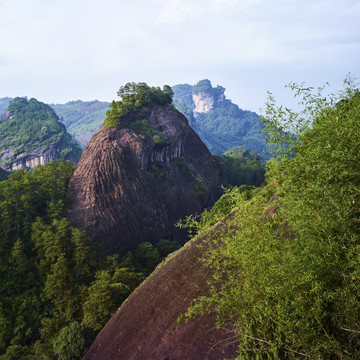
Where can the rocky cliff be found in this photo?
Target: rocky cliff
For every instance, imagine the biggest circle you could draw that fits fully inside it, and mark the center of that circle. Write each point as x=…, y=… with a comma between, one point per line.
x=205, y=97
x=10, y=159
x=220, y=124
x=31, y=135
x=135, y=181
x=145, y=326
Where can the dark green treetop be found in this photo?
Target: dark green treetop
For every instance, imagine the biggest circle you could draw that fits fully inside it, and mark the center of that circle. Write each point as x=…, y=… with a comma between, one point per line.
x=135, y=96
x=286, y=276
x=242, y=166
x=205, y=86
x=31, y=124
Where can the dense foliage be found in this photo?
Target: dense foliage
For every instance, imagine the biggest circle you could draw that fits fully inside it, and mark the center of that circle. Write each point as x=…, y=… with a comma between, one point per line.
x=33, y=125
x=56, y=292
x=136, y=96
x=242, y=167
x=286, y=278
x=204, y=86
x=82, y=118
x=223, y=127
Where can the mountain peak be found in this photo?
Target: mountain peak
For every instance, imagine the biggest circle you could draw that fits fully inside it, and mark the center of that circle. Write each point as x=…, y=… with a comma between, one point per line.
x=205, y=97
x=31, y=134
x=136, y=180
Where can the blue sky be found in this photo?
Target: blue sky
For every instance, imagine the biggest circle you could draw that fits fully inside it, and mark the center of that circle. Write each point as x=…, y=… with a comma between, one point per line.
x=61, y=50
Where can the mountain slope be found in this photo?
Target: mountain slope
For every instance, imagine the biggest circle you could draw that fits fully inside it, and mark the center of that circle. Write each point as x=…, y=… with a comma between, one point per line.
x=136, y=180
x=82, y=118
x=220, y=123
x=31, y=134
x=282, y=264
x=145, y=326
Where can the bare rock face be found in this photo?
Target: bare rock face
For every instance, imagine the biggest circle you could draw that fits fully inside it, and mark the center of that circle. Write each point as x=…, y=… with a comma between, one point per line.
x=30, y=159
x=134, y=182
x=145, y=326
x=204, y=102
x=31, y=135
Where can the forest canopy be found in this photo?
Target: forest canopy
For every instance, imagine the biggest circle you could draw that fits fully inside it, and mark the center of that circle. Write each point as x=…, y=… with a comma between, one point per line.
x=57, y=291
x=30, y=125
x=135, y=96
x=242, y=167
x=286, y=279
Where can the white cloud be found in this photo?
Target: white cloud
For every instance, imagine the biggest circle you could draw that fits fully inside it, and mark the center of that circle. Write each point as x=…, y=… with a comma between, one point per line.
x=176, y=11
x=170, y=41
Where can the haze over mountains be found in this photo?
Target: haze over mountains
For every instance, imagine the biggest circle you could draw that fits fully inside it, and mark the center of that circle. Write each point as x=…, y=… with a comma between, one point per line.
x=220, y=124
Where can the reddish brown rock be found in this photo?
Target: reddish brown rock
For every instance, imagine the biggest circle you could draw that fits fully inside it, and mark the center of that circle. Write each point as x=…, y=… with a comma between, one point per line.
x=135, y=181
x=145, y=326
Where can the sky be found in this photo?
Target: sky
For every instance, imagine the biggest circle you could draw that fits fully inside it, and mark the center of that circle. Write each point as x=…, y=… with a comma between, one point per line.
x=62, y=50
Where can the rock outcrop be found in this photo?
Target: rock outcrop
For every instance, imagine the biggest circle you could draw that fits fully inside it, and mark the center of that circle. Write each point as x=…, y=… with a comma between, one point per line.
x=205, y=97
x=40, y=156
x=220, y=124
x=135, y=181
x=145, y=326
x=31, y=135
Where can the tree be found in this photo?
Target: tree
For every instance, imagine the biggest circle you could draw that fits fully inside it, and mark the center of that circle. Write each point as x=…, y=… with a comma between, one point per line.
x=72, y=342
x=286, y=268
x=135, y=96
x=104, y=297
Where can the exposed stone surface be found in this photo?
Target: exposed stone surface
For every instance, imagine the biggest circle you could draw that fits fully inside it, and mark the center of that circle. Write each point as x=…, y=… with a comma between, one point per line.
x=36, y=157
x=145, y=326
x=205, y=102
x=128, y=188
x=32, y=135
x=7, y=115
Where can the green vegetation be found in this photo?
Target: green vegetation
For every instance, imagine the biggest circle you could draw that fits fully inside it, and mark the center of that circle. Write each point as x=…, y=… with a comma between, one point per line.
x=286, y=263
x=160, y=172
x=82, y=118
x=204, y=86
x=200, y=188
x=55, y=292
x=242, y=167
x=33, y=125
x=223, y=127
x=183, y=164
x=134, y=97
x=144, y=127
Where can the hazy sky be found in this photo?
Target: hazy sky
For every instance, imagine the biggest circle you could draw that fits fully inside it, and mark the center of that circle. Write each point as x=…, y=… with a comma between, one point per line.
x=61, y=50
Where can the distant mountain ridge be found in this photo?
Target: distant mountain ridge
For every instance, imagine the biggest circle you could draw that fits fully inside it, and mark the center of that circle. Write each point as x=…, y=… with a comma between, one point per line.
x=219, y=123
x=82, y=118
x=138, y=176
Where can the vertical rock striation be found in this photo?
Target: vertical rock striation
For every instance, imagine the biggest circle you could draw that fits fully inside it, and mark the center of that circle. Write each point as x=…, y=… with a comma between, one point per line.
x=135, y=181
